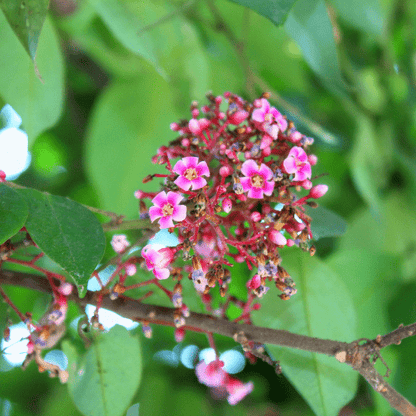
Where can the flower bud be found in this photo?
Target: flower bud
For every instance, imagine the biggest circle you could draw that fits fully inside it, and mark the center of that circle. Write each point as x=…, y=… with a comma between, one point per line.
x=318, y=191
x=194, y=126
x=255, y=216
x=2, y=176
x=227, y=205
x=225, y=171
x=179, y=334
x=238, y=117
x=313, y=160
x=277, y=237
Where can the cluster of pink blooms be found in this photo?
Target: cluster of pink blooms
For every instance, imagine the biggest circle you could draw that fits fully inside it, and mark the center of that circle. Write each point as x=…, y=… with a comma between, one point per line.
x=213, y=375
x=232, y=194
x=238, y=179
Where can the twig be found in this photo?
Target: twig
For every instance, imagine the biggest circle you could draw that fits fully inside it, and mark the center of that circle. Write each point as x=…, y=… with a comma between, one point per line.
x=357, y=356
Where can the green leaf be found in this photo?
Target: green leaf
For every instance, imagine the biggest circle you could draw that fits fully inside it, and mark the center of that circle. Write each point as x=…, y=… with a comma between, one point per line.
x=39, y=103
x=104, y=381
x=121, y=140
x=26, y=18
x=274, y=10
x=367, y=167
x=363, y=15
x=125, y=19
x=326, y=223
x=322, y=308
x=309, y=26
x=13, y=213
x=67, y=232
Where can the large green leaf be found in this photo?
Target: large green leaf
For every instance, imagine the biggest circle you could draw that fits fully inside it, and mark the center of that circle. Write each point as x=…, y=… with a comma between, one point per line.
x=103, y=381
x=364, y=15
x=67, y=232
x=26, y=18
x=130, y=121
x=309, y=26
x=322, y=308
x=13, y=213
x=39, y=103
x=326, y=223
x=274, y=10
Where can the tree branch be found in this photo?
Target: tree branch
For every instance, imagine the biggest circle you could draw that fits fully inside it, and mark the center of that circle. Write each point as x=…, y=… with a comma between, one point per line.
x=357, y=356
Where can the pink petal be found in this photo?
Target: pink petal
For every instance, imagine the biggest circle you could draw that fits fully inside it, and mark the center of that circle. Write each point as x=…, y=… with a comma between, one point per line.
x=275, y=113
x=155, y=212
x=249, y=168
x=198, y=183
x=183, y=183
x=258, y=115
x=255, y=193
x=246, y=184
x=166, y=222
x=174, y=198
x=265, y=172
x=272, y=130
x=290, y=165
x=160, y=199
x=179, y=213
x=265, y=105
x=161, y=274
x=268, y=187
x=282, y=122
x=179, y=167
x=202, y=169
x=190, y=162
x=298, y=153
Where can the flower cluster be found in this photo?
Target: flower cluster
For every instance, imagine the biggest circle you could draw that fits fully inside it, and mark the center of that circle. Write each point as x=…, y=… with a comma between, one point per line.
x=233, y=194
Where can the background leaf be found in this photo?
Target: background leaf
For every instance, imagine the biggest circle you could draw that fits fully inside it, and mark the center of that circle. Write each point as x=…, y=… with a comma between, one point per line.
x=326, y=223
x=67, y=232
x=274, y=10
x=309, y=26
x=38, y=103
x=13, y=213
x=103, y=381
x=26, y=19
x=121, y=142
x=323, y=382
x=364, y=15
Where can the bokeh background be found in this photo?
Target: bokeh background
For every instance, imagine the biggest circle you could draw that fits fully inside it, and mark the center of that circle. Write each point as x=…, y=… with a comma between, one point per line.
x=116, y=73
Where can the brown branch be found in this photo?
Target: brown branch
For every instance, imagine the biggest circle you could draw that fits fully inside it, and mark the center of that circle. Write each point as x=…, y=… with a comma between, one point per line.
x=357, y=356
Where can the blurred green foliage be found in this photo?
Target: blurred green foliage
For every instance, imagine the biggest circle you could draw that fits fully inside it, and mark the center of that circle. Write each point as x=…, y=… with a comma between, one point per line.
x=115, y=73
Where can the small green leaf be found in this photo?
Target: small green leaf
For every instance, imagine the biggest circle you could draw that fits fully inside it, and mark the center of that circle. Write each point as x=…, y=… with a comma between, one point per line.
x=309, y=26
x=274, y=10
x=13, y=213
x=38, y=103
x=104, y=381
x=67, y=232
x=326, y=223
x=322, y=308
x=26, y=18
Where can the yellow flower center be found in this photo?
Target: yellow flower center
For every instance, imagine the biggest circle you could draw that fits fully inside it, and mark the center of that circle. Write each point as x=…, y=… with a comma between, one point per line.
x=167, y=210
x=257, y=181
x=190, y=174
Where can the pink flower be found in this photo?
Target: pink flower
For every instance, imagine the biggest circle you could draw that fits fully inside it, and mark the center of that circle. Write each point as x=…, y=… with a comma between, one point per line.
x=266, y=116
x=167, y=207
x=237, y=390
x=190, y=172
x=297, y=163
x=119, y=243
x=258, y=180
x=212, y=374
x=156, y=261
